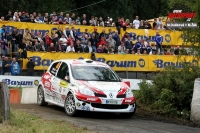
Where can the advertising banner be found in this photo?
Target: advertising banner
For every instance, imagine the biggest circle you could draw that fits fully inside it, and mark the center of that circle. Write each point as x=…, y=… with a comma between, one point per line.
x=21, y=81
x=119, y=62
x=169, y=37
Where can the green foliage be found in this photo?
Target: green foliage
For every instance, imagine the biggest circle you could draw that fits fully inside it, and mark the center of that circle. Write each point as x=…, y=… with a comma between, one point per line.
x=171, y=90
x=108, y=8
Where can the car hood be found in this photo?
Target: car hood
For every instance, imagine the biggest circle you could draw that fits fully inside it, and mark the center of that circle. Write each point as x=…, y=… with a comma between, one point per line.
x=116, y=88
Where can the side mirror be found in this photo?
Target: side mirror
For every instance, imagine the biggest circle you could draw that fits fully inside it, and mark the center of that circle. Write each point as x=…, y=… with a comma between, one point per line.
x=128, y=83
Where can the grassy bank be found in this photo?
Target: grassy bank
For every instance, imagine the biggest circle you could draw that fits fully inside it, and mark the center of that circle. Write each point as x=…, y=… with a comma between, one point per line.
x=22, y=122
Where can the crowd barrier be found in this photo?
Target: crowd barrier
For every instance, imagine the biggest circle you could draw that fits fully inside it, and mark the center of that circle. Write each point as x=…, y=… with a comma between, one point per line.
x=23, y=89
x=119, y=62
x=169, y=37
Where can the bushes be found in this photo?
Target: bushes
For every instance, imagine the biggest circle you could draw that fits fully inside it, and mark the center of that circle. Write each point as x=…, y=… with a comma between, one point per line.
x=170, y=92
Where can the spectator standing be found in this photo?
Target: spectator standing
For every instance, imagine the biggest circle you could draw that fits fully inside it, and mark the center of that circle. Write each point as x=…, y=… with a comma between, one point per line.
x=66, y=32
x=51, y=48
x=30, y=67
x=136, y=22
x=88, y=48
x=15, y=68
x=59, y=32
x=93, y=41
x=47, y=39
x=158, y=40
x=6, y=66
x=9, y=15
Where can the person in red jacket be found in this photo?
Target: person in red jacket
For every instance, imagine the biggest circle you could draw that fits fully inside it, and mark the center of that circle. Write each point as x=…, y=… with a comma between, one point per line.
x=102, y=41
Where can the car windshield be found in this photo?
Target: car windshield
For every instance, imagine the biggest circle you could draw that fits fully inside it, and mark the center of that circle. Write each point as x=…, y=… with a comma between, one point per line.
x=94, y=73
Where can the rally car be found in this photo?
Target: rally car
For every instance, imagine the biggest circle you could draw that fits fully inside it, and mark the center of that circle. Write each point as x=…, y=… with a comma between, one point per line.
x=85, y=85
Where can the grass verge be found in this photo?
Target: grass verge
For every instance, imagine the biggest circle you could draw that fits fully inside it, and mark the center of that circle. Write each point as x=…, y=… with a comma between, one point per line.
x=22, y=122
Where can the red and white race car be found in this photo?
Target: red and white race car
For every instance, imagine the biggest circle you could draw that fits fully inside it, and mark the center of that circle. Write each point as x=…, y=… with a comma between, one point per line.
x=85, y=85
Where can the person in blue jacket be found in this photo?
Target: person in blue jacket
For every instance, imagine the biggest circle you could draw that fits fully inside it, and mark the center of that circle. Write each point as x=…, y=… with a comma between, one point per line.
x=15, y=68
x=158, y=40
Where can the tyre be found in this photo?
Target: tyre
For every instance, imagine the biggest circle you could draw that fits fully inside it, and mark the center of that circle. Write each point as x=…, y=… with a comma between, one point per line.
x=70, y=106
x=128, y=115
x=40, y=97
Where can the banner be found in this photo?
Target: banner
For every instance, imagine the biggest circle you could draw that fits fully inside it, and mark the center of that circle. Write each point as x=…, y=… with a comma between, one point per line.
x=169, y=37
x=119, y=62
x=21, y=81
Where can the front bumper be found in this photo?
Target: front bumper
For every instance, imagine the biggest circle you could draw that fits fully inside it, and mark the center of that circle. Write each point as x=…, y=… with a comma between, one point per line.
x=102, y=106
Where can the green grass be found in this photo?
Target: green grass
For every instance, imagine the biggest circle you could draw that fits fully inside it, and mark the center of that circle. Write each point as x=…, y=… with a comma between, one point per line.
x=22, y=122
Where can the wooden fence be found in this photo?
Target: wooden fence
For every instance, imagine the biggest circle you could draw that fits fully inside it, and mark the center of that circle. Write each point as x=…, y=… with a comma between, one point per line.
x=4, y=102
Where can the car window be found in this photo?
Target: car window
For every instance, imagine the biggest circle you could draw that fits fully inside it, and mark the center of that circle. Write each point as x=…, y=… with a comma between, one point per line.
x=63, y=71
x=54, y=68
x=94, y=73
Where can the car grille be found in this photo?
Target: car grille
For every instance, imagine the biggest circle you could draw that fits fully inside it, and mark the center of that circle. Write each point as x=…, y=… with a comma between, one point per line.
x=121, y=96
x=100, y=95
x=108, y=106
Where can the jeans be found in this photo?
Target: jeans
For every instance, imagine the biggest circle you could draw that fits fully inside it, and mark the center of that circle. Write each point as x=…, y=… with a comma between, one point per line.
x=158, y=49
x=94, y=49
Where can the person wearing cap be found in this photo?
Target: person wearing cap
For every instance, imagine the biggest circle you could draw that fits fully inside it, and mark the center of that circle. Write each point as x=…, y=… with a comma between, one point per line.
x=96, y=33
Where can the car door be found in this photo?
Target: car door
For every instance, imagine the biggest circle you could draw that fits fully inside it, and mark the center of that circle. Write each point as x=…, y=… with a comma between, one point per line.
x=61, y=84
x=53, y=71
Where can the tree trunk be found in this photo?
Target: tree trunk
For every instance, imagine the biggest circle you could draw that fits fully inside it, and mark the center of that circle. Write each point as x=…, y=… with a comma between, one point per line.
x=4, y=102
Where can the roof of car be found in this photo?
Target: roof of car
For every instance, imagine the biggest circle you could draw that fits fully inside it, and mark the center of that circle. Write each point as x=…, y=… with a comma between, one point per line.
x=83, y=62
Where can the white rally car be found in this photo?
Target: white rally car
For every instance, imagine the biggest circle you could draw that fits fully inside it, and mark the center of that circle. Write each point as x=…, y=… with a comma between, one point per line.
x=85, y=85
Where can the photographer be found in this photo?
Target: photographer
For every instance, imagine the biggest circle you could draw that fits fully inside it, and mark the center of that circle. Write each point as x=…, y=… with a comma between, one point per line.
x=30, y=67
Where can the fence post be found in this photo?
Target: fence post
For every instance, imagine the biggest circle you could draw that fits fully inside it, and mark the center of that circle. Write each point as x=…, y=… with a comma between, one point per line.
x=4, y=102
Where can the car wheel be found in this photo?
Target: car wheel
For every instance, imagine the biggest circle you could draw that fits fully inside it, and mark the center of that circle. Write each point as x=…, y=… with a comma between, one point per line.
x=40, y=97
x=128, y=115
x=70, y=107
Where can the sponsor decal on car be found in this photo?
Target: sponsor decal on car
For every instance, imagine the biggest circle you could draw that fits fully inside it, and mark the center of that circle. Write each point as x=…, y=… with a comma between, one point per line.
x=63, y=84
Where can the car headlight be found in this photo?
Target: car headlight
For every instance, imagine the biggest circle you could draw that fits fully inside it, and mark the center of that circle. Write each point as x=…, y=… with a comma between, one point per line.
x=129, y=93
x=86, y=91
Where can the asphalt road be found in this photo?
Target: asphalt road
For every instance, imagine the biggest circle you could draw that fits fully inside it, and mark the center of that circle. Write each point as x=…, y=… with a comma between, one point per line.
x=107, y=122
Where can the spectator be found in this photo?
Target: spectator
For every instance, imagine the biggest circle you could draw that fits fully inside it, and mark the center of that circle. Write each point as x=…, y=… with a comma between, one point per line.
x=136, y=22
x=129, y=44
x=63, y=42
x=158, y=40
x=92, y=22
x=15, y=68
x=37, y=20
x=93, y=41
x=147, y=25
x=110, y=41
x=68, y=19
x=30, y=67
x=78, y=48
x=159, y=23
x=66, y=32
x=59, y=32
x=93, y=57
x=102, y=41
x=30, y=47
x=141, y=26
x=96, y=34
x=51, y=48
x=84, y=19
x=73, y=33
x=6, y=66
x=42, y=46
x=9, y=15
x=70, y=48
x=37, y=46
x=88, y=48
x=47, y=40
x=100, y=49
x=27, y=36
x=103, y=33
x=121, y=48
x=73, y=16
x=69, y=40
x=2, y=18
